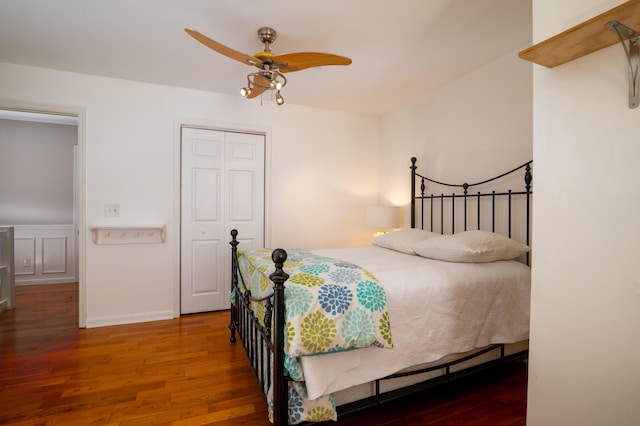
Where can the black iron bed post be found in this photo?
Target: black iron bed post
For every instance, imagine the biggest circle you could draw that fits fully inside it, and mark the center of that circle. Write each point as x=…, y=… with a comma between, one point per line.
x=527, y=181
x=413, y=191
x=442, y=213
x=422, y=188
x=493, y=211
x=431, y=213
x=280, y=382
x=509, y=203
x=465, y=186
x=234, y=283
x=453, y=213
x=478, y=227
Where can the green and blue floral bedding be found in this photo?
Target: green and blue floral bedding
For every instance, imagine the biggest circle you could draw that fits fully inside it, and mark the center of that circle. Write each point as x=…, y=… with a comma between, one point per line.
x=331, y=306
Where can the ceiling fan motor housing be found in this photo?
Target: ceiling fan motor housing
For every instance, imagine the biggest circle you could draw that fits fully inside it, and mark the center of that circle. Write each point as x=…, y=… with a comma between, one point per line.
x=267, y=36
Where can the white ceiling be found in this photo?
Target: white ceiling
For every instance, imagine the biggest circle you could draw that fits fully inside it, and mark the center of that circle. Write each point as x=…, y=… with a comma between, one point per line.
x=400, y=49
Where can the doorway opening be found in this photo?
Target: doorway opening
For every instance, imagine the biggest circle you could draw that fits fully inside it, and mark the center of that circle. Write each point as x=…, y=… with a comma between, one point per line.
x=43, y=196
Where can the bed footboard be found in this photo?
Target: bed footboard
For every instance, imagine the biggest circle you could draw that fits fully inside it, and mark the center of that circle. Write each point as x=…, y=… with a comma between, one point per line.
x=262, y=338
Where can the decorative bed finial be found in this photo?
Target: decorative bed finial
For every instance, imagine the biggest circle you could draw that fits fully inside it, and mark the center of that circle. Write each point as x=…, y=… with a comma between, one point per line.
x=279, y=256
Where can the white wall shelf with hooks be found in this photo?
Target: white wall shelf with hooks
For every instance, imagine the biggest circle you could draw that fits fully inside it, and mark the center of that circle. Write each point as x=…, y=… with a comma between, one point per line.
x=128, y=234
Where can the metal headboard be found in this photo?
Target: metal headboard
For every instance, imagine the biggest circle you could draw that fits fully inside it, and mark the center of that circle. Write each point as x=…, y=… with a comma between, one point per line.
x=434, y=206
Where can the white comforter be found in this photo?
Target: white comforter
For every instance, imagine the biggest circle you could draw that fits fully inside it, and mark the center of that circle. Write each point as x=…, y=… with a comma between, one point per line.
x=436, y=308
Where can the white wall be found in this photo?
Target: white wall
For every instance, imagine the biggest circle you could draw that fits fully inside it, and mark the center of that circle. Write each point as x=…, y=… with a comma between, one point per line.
x=322, y=175
x=585, y=343
x=465, y=131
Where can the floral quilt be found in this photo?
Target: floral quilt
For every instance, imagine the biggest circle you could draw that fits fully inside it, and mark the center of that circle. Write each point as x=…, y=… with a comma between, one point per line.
x=331, y=306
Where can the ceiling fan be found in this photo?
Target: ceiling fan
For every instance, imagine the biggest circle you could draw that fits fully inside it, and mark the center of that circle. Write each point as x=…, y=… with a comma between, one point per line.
x=271, y=67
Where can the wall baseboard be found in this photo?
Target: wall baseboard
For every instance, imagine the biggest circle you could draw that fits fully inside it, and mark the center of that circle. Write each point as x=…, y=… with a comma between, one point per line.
x=129, y=319
x=45, y=281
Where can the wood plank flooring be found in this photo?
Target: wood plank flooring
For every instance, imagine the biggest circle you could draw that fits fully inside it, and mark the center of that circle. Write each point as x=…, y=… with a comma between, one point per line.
x=183, y=372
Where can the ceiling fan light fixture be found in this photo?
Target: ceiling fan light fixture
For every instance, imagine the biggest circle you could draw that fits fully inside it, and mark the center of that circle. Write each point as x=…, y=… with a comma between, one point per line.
x=268, y=79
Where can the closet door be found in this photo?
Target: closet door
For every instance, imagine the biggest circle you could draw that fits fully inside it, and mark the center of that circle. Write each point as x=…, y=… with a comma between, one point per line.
x=222, y=187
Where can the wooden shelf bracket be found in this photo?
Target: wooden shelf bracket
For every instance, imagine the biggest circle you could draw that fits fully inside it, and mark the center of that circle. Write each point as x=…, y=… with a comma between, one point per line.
x=633, y=57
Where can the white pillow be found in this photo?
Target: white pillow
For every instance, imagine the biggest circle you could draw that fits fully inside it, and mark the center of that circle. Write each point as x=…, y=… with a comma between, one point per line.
x=402, y=240
x=470, y=246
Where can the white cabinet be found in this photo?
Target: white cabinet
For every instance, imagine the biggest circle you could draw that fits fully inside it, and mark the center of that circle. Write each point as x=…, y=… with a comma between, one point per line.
x=7, y=281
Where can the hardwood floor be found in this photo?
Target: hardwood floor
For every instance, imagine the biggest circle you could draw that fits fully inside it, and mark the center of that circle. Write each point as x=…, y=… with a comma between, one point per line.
x=183, y=372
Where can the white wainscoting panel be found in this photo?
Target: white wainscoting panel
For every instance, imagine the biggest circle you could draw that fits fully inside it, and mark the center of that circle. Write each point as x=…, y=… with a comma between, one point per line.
x=54, y=255
x=45, y=254
x=25, y=250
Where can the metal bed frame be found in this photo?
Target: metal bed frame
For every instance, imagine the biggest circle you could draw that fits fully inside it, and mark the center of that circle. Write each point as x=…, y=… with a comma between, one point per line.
x=263, y=339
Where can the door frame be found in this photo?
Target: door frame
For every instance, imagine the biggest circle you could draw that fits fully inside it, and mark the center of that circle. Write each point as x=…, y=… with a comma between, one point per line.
x=80, y=189
x=224, y=127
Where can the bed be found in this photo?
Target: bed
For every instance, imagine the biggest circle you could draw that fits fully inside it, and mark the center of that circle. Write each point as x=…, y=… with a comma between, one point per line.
x=443, y=298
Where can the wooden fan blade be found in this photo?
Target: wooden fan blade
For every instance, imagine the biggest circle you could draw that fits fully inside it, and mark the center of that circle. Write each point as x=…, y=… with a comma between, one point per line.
x=224, y=50
x=256, y=91
x=303, y=60
x=261, y=81
x=260, y=85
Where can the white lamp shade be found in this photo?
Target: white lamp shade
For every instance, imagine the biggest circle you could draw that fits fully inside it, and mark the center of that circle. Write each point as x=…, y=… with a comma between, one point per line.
x=383, y=217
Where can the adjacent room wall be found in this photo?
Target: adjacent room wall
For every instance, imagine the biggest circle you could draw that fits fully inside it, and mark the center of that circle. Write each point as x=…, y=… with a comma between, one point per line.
x=36, y=173
x=585, y=344
x=322, y=175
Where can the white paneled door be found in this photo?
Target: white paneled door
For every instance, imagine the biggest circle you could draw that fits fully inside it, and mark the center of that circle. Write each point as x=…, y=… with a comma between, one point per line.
x=222, y=187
